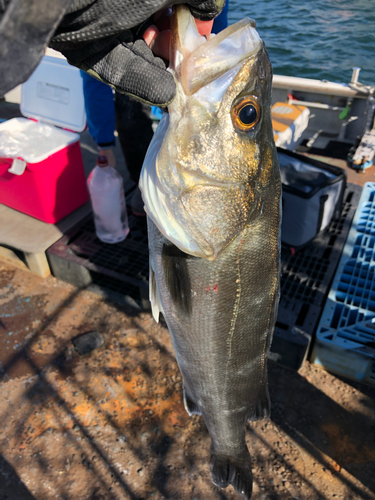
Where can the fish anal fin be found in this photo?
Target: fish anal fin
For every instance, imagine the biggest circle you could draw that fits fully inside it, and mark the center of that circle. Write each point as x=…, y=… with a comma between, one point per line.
x=154, y=296
x=190, y=406
x=263, y=405
x=227, y=470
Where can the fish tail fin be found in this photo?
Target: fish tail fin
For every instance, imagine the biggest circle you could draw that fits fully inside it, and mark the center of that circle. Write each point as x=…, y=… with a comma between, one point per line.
x=191, y=407
x=237, y=472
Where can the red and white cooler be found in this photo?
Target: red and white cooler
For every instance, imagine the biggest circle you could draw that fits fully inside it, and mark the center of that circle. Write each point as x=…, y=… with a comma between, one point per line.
x=41, y=168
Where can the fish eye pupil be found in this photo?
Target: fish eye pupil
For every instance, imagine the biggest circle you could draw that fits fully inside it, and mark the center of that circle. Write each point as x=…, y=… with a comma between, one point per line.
x=248, y=114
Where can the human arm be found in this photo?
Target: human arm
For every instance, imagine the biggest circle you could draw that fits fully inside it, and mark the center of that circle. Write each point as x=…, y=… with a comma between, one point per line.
x=103, y=37
x=100, y=114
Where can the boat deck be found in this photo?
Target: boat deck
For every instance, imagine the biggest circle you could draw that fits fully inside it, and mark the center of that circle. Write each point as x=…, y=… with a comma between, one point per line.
x=353, y=176
x=110, y=424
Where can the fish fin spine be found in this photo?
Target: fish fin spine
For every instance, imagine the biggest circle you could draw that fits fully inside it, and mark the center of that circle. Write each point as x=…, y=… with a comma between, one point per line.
x=191, y=407
x=154, y=296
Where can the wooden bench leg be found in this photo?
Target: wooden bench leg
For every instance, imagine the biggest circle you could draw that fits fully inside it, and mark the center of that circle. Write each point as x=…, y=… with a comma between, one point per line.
x=38, y=263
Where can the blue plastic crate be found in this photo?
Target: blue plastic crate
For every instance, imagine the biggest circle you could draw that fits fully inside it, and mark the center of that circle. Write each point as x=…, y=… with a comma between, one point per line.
x=306, y=277
x=345, y=337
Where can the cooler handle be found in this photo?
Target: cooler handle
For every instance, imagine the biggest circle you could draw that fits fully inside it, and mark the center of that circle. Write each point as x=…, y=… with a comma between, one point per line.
x=18, y=166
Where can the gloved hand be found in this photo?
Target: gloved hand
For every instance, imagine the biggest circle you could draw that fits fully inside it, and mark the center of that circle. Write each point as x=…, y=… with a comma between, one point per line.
x=103, y=37
x=100, y=36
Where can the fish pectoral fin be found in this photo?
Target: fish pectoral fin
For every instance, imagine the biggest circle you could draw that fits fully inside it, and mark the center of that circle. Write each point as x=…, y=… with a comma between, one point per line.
x=263, y=405
x=227, y=470
x=154, y=296
x=190, y=406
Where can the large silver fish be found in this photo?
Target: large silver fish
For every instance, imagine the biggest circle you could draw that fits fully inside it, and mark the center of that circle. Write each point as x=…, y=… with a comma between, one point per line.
x=211, y=187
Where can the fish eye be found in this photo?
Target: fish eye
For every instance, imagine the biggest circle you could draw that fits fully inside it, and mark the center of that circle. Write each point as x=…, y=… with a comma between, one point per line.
x=246, y=114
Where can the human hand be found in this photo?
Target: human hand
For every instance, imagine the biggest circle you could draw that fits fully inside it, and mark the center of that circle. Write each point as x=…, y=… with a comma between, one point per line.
x=109, y=154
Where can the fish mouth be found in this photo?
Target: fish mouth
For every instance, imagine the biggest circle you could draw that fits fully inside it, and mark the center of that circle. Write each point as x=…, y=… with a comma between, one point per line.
x=196, y=61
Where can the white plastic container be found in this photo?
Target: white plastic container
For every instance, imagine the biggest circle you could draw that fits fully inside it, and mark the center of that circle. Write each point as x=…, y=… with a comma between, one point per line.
x=54, y=94
x=108, y=202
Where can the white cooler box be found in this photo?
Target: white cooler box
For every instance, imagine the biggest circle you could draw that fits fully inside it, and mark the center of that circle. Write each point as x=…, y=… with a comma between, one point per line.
x=41, y=168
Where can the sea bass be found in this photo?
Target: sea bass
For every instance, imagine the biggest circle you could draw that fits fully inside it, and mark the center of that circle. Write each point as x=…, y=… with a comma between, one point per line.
x=211, y=187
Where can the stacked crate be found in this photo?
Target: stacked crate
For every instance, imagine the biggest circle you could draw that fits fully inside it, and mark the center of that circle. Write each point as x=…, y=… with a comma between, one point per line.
x=345, y=337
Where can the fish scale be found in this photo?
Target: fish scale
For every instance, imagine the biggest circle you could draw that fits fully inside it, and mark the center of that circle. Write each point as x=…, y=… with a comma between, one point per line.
x=214, y=240
x=221, y=341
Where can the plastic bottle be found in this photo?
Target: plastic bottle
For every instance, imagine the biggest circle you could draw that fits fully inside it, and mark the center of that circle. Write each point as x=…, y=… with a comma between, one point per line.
x=108, y=202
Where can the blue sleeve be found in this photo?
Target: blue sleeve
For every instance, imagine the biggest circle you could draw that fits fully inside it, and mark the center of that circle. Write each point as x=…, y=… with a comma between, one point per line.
x=100, y=110
x=221, y=21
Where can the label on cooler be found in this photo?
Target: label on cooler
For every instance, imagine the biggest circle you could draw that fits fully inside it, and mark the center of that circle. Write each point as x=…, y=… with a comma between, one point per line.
x=52, y=92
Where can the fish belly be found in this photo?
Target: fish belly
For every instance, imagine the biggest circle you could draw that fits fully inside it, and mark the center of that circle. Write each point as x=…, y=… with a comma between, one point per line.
x=221, y=315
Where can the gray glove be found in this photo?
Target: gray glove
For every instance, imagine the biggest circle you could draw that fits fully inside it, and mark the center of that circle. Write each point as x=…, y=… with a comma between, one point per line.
x=26, y=26
x=103, y=37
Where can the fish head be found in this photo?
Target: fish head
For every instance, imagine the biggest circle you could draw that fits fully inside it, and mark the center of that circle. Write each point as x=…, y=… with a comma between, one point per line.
x=213, y=155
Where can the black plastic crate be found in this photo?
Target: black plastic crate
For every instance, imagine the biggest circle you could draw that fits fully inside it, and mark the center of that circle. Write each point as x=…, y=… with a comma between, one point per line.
x=117, y=271
x=305, y=281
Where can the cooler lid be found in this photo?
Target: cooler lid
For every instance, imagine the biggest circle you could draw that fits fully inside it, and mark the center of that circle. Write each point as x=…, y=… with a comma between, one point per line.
x=54, y=94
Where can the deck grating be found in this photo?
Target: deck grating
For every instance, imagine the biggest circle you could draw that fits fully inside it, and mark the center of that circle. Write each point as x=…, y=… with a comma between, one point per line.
x=121, y=270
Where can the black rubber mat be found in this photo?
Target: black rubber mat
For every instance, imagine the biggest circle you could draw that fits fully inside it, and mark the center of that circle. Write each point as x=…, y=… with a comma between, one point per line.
x=118, y=271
